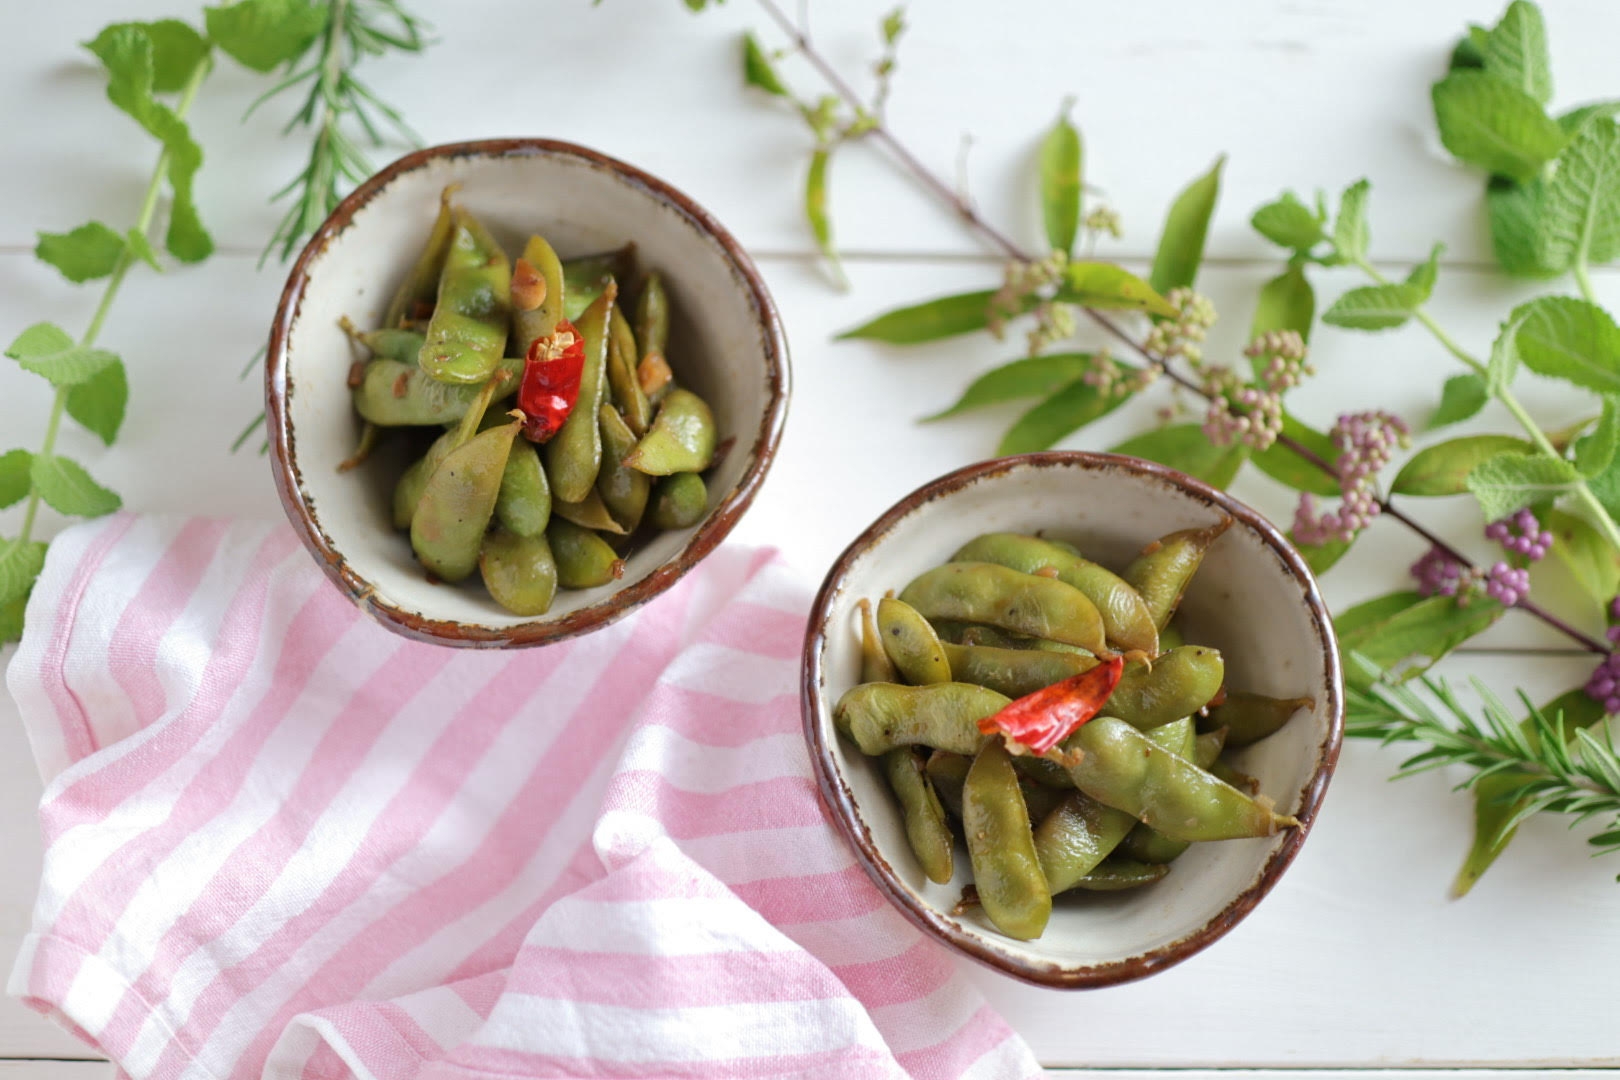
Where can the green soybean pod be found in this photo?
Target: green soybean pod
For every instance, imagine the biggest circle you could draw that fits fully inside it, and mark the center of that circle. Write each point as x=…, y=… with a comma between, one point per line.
x=1171, y=637
x=447, y=529
x=947, y=772
x=1207, y=747
x=589, y=513
x=678, y=501
x=1117, y=875
x=623, y=490
x=1074, y=838
x=682, y=437
x=1222, y=770
x=408, y=491
x=421, y=286
x=1014, y=672
x=530, y=325
x=1248, y=718
x=875, y=663
x=396, y=394
x=584, y=560
x=1006, y=869
x=467, y=334
x=518, y=571
x=386, y=344
x=586, y=277
x=1163, y=569
x=524, y=503
x=986, y=593
x=623, y=385
x=911, y=643
x=574, y=454
x=1039, y=800
x=652, y=316
x=879, y=717
x=924, y=817
x=1143, y=843
x=1177, y=684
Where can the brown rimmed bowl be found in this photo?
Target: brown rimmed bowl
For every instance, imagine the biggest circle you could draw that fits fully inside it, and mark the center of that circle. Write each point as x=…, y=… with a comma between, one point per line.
x=726, y=343
x=1254, y=599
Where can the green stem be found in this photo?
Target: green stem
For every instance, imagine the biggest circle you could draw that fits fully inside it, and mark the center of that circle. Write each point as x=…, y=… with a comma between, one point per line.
x=143, y=225
x=1434, y=328
x=1584, y=280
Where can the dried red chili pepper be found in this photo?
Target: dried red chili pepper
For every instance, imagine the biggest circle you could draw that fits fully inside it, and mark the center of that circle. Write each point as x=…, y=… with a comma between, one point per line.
x=550, y=386
x=1048, y=716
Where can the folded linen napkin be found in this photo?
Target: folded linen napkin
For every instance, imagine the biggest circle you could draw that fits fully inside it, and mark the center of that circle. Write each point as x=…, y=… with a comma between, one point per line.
x=284, y=842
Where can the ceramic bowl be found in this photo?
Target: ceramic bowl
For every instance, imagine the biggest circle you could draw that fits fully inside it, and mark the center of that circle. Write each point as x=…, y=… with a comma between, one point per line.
x=1253, y=598
x=726, y=343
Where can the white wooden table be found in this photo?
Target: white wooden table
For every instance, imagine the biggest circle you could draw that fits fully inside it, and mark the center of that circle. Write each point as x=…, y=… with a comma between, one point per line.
x=1358, y=961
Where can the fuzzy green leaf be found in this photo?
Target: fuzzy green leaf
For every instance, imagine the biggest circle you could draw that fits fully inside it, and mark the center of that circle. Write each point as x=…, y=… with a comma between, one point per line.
x=264, y=34
x=99, y=402
x=1594, y=452
x=1515, y=51
x=1288, y=223
x=40, y=341
x=1104, y=285
x=177, y=49
x=1186, y=447
x=1034, y=376
x=1580, y=207
x=931, y=320
x=1059, y=416
x=47, y=350
x=1514, y=211
x=141, y=248
x=89, y=252
x=20, y=564
x=14, y=481
x=1503, y=366
x=1286, y=302
x=1494, y=126
x=1461, y=397
x=68, y=489
x=1572, y=121
x=1284, y=465
x=1352, y=236
x=1060, y=182
x=1569, y=339
x=815, y=211
x=1424, y=274
x=1469, y=52
x=1443, y=469
x=1508, y=482
x=1416, y=635
x=758, y=71
x=1186, y=227
x=1374, y=307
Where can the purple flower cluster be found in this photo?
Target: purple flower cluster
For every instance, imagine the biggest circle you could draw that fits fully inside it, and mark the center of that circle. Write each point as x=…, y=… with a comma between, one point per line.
x=1438, y=574
x=1366, y=442
x=1251, y=413
x=1284, y=352
x=1507, y=584
x=1521, y=534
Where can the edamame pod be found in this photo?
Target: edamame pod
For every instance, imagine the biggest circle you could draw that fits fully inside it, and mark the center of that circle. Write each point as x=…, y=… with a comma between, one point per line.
x=524, y=504
x=678, y=501
x=589, y=513
x=585, y=278
x=987, y=593
x=1178, y=684
x=624, y=490
x=1122, y=768
x=652, y=316
x=1222, y=770
x=518, y=571
x=926, y=830
x=408, y=492
x=911, y=643
x=1074, y=838
x=875, y=663
x=583, y=559
x=1163, y=569
x=1146, y=844
x=1039, y=800
x=1248, y=718
x=574, y=454
x=1126, y=620
x=396, y=394
x=1014, y=672
x=625, y=388
x=421, y=286
x=1207, y=747
x=947, y=772
x=879, y=717
x=1006, y=869
x=448, y=527
x=540, y=321
x=401, y=345
x=682, y=437
x=1171, y=637
x=467, y=334
x=1116, y=875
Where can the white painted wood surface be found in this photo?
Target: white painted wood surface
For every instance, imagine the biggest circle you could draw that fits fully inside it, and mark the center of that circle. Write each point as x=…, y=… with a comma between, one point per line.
x=1358, y=960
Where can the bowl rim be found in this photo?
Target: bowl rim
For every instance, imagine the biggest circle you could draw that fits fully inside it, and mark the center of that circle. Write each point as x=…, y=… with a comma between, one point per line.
x=841, y=800
x=620, y=602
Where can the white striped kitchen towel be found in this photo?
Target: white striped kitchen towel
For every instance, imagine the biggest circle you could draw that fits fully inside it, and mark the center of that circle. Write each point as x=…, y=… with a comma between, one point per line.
x=283, y=842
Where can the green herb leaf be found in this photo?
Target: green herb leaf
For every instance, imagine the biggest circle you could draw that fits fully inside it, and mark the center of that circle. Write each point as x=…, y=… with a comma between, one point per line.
x=1286, y=302
x=1104, y=285
x=1289, y=223
x=1515, y=51
x=1282, y=464
x=1035, y=376
x=141, y=248
x=1585, y=553
x=1503, y=366
x=126, y=51
x=1186, y=447
x=1580, y=208
x=68, y=489
x=1595, y=451
x=11, y=620
x=46, y=350
x=1060, y=181
x=14, y=481
x=1374, y=307
x=98, y=403
x=89, y=252
x=1461, y=397
x=1443, y=469
x=1424, y=274
x=1508, y=482
x=1494, y=126
x=1569, y=339
x=1514, y=211
x=1572, y=121
x=20, y=564
x=1370, y=613
x=264, y=34
x=177, y=49
x=1469, y=52
x=758, y=71
x=1059, y=416
x=815, y=209
x=1411, y=639
x=1321, y=557
x=931, y=320
x=1186, y=227
x=1351, y=234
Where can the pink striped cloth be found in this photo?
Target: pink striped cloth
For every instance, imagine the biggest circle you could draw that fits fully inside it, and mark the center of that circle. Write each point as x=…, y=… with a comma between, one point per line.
x=283, y=842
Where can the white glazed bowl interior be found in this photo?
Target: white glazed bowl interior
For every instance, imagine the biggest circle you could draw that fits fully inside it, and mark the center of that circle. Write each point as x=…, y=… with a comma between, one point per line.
x=1246, y=600
x=725, y=344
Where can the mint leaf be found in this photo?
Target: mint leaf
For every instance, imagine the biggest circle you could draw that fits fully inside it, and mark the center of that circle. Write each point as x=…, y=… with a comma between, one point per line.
x=1104, y=285
x=1060, y=182
x=1034, y=376
x=263, y=34
x=1444, y=468
x=1286, y=302
x=1595, y=452
x=20, y=564
x=126, y=50
x=177, y=49
x=1351, y=234
x=141, y=248
x=1503, y=366
x=38, y=341
x=46, y=350
x=1569, y=339
x=1469, y=52
x=1374, y=307
x=14, y=481
x=1460, y=398
x=1065, y=412
x=1424, y=274
x=1511, y=481
x=91, y=251
x=758, y=71
x=1580, y=210
x=98, y=402
x=1186, y=227
x=1515, y=211
x=1494, y=126
x=1187, y=448
x=1515, y=51
x=68, y=489
x=1288, y=223
x=1571, y=122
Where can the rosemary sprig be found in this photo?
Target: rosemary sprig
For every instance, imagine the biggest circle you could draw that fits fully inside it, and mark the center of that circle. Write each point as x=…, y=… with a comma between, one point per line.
x=1545, y=767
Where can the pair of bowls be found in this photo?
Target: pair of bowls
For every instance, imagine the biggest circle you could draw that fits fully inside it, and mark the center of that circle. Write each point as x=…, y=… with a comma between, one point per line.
x=1254, y=599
